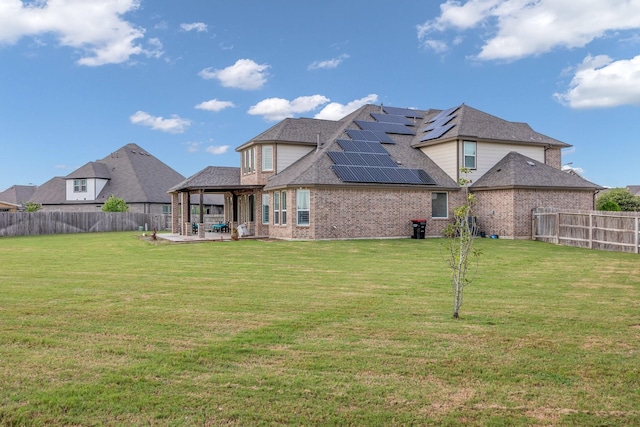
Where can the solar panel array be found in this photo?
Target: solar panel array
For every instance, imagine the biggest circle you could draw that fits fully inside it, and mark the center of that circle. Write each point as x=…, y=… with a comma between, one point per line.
x=361, y=146
x=396, y=128
x=392, y=118
x=406, y=112
x=439, y=124
x=369, y=135
x=381, y=175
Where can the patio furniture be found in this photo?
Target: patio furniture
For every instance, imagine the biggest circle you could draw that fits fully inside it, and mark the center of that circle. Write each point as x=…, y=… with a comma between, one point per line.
x=221, y=227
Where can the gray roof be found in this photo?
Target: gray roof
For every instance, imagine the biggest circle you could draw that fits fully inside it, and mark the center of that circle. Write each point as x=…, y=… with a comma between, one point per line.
x=518, y=171
x=134, y=176
x=634, y=189
x=478, y=125
x=91, y=170
x=17, y=194
x=51, y=192
x=315, y=167
x=299, y=131
x=221, y=178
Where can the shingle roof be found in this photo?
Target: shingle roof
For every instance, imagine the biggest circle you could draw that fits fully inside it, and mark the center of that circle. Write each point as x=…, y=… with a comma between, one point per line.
x=91, y=170
x=315, y=167
x=134, y=175
x=475, y=124
x=211, y=178
x=17, y=194
x=518, y=171
x=298, y=131
x=634, y=189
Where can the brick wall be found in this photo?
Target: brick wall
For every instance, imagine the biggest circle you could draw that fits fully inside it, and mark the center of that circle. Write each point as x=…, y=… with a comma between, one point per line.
x=342, y=213
x=507, y=213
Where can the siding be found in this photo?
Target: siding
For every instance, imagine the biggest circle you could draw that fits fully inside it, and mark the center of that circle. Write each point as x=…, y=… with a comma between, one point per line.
x=444, y=156
x=286, y=155
x=488, y=154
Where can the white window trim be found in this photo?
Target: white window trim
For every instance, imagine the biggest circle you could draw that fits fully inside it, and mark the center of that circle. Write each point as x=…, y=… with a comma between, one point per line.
x=299, y=193
x=267, y=159
x=475, y=156
x=265, y=209
x=447, y=207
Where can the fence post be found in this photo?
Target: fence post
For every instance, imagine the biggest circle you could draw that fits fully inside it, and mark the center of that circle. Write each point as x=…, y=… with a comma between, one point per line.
x=590, y=230
x=557, y=228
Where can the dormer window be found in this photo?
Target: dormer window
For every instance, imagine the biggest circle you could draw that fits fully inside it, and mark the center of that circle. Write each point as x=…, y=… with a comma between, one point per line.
x=79, y=185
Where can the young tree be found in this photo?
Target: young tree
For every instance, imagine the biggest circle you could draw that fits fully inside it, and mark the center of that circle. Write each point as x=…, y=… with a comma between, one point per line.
x=115, y=204
x=461, y=235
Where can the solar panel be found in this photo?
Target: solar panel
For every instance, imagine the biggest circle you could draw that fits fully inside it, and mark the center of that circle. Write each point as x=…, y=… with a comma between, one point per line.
x=361, y=146
x=438, y=123
x=407, y=112
x=437, y=133
x=362, y=159
x=382, y=175
x=443, y=113
x=385, y=127
x=392, y=118
x=368, y=135
x=340, y=158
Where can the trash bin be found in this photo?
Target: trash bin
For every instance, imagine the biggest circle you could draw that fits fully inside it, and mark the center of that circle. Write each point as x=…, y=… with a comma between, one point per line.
x=419, y=228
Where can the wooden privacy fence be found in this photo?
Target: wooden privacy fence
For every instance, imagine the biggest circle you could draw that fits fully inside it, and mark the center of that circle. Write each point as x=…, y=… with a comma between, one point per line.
x=610, y=231
x=35, y=223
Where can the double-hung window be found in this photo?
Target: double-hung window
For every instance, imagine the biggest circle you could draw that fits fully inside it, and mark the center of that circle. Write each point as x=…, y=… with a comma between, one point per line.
x=265, y=209
x=283, y=208
x=469, y=148
x=267, y=158
x=439, y=205
x=276, y=208
x=79, y=185
x=302, y=206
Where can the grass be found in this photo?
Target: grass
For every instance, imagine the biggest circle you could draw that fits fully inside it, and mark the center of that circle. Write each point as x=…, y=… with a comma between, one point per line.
x=110, y=329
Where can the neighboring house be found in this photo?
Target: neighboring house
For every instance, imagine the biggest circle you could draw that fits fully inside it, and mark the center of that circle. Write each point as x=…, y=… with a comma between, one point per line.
x=130, y=173
x=634, y=189
x=370, y=174
x=14, y=198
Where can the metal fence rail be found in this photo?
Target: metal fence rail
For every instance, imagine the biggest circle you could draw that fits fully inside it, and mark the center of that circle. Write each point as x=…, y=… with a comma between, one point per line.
x=610, y=231
x=36, y=223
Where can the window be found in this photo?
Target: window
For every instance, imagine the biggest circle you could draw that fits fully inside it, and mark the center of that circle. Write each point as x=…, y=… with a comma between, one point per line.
x=276, y=208
x=302, y=206
x=267, y=158
x=469, y=154
x=79, y=185
x=265, y=209
x=283, y=206
x=249, y=161
x=439, y=205
x=166, y=209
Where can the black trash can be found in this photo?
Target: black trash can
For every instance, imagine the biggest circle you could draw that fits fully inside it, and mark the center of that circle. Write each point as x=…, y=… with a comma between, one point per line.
x=419, y=228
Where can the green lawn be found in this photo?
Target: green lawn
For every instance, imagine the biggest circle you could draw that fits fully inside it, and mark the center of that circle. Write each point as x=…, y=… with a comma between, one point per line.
x=111, y=329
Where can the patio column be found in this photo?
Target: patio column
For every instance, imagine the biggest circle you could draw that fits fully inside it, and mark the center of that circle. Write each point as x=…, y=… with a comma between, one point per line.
x=185, y=213
x=175, y=213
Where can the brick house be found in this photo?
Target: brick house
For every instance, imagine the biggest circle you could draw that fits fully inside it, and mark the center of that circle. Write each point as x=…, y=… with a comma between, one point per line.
x=371, y=173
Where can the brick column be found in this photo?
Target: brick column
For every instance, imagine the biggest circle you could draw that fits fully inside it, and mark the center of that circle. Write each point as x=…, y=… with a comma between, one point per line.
x=175, y=213
x=184, y=213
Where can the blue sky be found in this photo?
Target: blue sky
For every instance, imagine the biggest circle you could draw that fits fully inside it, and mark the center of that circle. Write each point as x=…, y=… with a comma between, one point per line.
x=189, y=81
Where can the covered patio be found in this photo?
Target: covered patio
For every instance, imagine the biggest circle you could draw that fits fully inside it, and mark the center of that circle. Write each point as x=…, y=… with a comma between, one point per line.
x=239, y=204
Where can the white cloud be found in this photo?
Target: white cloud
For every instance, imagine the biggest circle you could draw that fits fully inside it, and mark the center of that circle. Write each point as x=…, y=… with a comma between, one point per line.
x=195, y=26
x=328, y=64
x=274, y=109
x=95, y=28
x=520, y=28
x=217, y=149
x=336, y=111
x=244, y=74
x=601, y=82
x=214, y=105
x=174, y=124
x=193, y=147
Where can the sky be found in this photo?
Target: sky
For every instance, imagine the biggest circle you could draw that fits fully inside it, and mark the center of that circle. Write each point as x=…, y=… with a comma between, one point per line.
x=190, y=81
